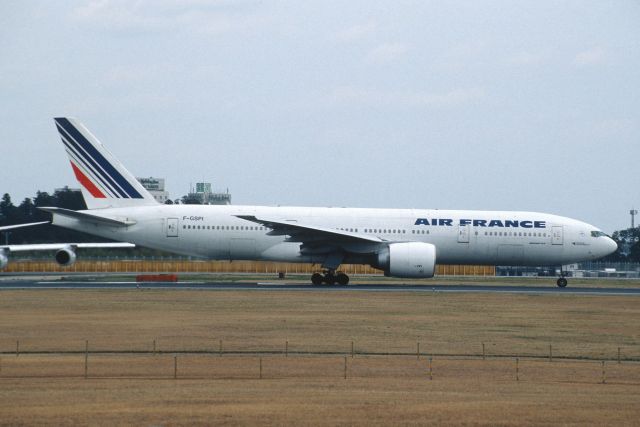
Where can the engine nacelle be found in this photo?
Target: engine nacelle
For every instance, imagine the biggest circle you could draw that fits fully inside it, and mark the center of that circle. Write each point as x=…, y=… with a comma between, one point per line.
x=4, y=259
x=66, y=256
x=409, y=259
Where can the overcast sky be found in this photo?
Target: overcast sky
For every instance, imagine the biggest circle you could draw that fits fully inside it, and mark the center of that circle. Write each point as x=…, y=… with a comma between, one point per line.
x=500, y=105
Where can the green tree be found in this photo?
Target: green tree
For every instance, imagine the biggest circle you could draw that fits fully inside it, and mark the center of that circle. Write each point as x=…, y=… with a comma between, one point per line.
x=628, y=245
x=27, y=210
x=69, y=199
x=8, y=211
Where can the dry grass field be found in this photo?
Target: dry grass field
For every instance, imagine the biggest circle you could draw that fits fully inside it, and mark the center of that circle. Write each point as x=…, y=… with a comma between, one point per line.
x=311, y=389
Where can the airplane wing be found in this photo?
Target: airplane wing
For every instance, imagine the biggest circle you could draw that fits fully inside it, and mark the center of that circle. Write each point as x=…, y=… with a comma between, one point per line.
x=329, y=243
x=68, y=248
x=11, y=227
x=66, y=254
x=304, y=233
x=57, y=246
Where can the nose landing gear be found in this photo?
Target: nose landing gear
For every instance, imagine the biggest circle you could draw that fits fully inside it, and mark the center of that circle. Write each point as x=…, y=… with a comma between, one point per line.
x=562, y=281
x=330, y=277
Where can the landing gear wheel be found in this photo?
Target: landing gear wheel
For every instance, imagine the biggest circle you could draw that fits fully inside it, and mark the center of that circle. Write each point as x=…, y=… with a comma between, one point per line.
x=316, y=279
x=329, y=279
x=342, y=279
x=562, y=282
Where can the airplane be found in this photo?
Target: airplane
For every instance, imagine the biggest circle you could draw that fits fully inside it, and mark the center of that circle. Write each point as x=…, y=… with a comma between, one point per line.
x=404, y=243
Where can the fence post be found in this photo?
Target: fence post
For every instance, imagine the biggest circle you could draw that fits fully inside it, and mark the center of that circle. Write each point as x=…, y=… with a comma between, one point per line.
x=418, y=352
x=286, y=348
x=345, y=367
x=154, y=347
x=220, y=348
x=352, y=349
x=86, y=358
x=550, y=354
x=175, y=367
x=604, y=378
x=483, y=353
x=618, y=355
x=430, y=368
x=17, y=348
x=261, y=368
x=517, y=369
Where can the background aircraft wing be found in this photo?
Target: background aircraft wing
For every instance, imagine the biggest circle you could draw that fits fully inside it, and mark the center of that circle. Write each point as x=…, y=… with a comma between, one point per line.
x=57, y=246
x=11, y=227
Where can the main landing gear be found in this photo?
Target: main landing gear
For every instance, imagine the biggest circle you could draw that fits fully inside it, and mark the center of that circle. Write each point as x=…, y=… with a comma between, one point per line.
x=330, y=277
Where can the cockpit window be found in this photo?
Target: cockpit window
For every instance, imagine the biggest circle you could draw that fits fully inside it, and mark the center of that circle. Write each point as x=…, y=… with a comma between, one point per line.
x=598, y=234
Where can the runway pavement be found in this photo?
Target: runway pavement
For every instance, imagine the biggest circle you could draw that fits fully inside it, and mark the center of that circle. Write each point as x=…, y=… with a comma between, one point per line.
x=304, y=287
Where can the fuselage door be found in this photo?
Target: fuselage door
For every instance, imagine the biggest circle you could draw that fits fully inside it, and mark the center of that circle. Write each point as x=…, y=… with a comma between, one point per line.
x=172, y=227
x=556, y=235
x=463, y=233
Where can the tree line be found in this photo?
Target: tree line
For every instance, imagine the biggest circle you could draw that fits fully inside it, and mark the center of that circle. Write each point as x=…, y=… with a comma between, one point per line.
x=628, y=240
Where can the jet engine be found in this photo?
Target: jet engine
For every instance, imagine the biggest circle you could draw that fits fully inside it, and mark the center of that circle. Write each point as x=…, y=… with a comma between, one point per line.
x=409, y=259
x=66, y=256
x=4, y=260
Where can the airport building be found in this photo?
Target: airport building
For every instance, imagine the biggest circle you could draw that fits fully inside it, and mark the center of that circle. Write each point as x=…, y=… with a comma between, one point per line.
x=155, y=186
x=206, y=196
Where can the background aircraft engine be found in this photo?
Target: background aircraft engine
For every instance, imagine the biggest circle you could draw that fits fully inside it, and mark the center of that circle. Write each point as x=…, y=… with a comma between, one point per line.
x=4, y=260
x=410, y=259
x=66, y=256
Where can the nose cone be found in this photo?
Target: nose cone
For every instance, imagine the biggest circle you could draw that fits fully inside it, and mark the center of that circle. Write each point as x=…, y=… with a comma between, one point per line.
x=608, y=246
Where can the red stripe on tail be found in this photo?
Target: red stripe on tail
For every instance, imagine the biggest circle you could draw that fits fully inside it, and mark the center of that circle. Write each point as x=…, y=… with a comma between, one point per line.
x=86, y=182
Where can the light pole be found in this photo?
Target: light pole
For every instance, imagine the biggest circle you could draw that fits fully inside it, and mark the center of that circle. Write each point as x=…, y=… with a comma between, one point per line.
x=633, y=213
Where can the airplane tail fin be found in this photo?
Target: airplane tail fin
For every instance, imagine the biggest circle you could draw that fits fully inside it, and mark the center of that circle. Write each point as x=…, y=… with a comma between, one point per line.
x=104, y=181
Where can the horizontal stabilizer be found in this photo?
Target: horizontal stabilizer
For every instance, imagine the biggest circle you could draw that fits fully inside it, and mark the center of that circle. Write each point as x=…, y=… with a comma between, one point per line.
x=89, y=217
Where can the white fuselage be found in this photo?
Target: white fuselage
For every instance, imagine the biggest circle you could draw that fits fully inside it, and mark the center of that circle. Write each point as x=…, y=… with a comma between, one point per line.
x=460, y=237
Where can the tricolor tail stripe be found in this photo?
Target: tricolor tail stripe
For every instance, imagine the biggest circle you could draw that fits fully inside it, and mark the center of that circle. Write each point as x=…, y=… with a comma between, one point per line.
x=90, y=166
x=89, y=172
x=95, y=162
x=86, y=182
